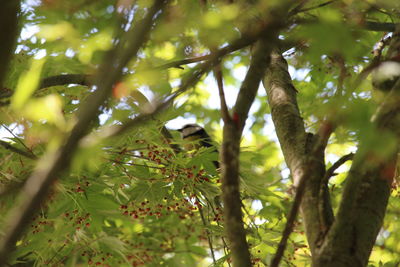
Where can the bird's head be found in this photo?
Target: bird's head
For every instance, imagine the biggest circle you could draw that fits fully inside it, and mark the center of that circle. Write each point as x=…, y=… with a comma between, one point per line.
x=196, y=137
x=193, y=134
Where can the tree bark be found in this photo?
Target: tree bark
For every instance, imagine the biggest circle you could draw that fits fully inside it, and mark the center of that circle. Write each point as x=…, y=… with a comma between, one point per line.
x=8, y=33
x=347, y=239
x=367, y=190
x=232, y=132
x=296, y=146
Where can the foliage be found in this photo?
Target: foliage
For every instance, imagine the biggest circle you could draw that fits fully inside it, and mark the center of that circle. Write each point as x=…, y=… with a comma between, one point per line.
x=133, y=200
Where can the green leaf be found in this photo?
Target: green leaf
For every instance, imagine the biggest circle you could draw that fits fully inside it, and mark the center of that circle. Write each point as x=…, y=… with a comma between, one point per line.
x=27, y=84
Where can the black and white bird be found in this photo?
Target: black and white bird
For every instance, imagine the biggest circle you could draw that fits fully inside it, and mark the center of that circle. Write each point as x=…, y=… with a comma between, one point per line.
x=196, y=137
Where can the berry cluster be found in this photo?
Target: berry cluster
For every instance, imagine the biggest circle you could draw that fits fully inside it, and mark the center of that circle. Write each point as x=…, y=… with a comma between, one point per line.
x=97, y=258
x=38, y=224
x=78, y=221
x=183, y=208
x=81, y=187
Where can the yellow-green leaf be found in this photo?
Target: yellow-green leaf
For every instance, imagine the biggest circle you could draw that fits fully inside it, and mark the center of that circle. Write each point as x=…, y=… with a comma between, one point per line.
x=27, y=84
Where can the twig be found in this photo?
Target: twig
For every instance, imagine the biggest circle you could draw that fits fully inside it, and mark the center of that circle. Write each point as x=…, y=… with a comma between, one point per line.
x=156, y=107
x=134, y=164
x=339, y=60
x=375, y=62
x=284, y=44
x=16, y=137
x=8, y=146
x=179, y=63
x=87, y=80
x=330, y=172
x=252, y=222
x=195, y=74
x=380, y=26
x=367, y=25
x=297, y=8
x=378, y=48
x=225, y=245
x=325, y=218
x=315, y=7
x=82, y=79
x=210, y=244
x=224, y=107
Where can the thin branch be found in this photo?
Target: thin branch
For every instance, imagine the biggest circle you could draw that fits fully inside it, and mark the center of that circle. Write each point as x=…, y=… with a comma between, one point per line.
x=225, y=245
x=325, y=215
x=339, y=60
x=380, y=26
x=297, y=8
x=383, y=42
x=82, y=79
x=8, y=146
x=252, y=221
x=54, y=163
x=315, y=7
x=134, y=164
x=87, y=80
x=57, y=80
x=179, y=63
x=331, y=171
x=210, y=244
x=157, y=106
x=16, y=137
x=224, y=107
x=367, y=25
x=194, y=75
x=284, y=44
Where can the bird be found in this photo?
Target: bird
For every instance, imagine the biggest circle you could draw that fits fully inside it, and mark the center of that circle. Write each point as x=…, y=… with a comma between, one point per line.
x=197, y=137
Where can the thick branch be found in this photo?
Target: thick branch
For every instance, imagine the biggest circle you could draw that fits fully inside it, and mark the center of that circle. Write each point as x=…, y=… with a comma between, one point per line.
x=317, y=146
x=230, y=160
x=365, y=196
x=53, y=164
x=8, y=33
x=367, y=189
x=297, y=148
x=232, y=133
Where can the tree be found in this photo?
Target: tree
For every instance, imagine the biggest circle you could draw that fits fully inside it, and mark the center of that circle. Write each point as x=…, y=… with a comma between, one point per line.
x=93, y=172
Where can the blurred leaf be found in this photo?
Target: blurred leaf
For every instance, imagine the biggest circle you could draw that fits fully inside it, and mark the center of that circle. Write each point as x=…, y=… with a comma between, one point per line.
x=27, y=84
x=48, y=108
